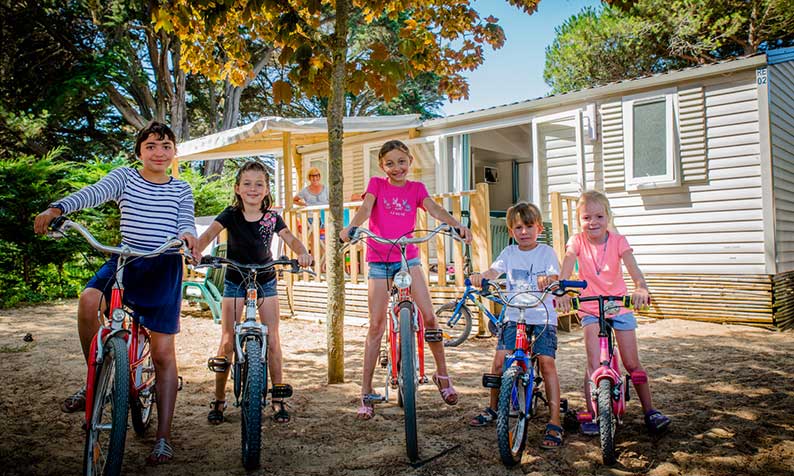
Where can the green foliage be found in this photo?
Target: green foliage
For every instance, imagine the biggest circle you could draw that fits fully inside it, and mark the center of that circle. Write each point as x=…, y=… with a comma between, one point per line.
x=210, y=196
x=640, y=37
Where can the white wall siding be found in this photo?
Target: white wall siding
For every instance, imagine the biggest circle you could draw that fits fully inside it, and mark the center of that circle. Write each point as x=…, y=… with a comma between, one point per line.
x=558, y=160
x=781, y=112
x=713, y=223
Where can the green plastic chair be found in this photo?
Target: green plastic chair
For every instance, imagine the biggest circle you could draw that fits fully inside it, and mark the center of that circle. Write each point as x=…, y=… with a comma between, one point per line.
x=211, y=287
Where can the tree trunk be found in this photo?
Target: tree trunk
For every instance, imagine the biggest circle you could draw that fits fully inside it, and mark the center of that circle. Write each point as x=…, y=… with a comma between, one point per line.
x=336, y=278
x=178, y=97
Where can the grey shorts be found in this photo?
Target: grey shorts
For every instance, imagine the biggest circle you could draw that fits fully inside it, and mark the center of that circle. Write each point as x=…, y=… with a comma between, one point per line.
x=621, y=322
x=545, y=338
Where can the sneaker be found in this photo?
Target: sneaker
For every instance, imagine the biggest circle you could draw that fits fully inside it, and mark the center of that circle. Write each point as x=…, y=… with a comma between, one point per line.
x=74, y=403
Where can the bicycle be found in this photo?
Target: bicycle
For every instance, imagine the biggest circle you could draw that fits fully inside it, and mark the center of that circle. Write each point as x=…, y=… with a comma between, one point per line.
x=119, y=349
x=606, y=383
x=520, y=384
x=249, y=366
x=404, y=320
x=455, y=316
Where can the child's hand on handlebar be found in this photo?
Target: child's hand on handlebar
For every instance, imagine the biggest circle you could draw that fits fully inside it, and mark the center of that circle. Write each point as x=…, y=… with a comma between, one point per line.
x=562, y=304
x=344, y=235
x=476, y=279
x=43, y=220
x=465, y=233
x=191, y=242
x=641, y=299
x=305, y=260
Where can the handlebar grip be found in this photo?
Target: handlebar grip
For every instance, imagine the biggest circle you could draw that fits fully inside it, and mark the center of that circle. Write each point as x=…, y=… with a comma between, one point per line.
x=351, y=232
x=573, y=284
x=626, y=301
x=486, y=287
x=575, y=303
x=57, y=222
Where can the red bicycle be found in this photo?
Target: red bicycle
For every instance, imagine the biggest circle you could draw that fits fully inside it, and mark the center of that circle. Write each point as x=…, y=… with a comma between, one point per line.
x=404, y=321
x=121, y=374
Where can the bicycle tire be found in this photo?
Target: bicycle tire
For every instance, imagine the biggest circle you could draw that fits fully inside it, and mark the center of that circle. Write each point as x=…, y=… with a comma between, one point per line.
x=606, y=422
x=142, y=406
x=251, y=405
x=111, y=387
x=511, y=419
x=459, y=331
x=408, y=381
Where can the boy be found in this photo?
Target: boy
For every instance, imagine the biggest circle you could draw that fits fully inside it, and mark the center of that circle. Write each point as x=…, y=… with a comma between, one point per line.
x=528, y=266
x=154, y=207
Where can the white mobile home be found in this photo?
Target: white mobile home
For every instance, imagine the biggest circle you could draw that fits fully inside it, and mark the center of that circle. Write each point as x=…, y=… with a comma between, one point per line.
x=698, y=165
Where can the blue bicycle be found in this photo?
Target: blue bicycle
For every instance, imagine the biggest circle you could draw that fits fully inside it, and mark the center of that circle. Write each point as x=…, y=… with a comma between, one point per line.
x=520, y=386
x=455, y=317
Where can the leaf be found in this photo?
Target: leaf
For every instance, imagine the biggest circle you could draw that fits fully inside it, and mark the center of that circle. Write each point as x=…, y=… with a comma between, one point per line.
x=282, y=92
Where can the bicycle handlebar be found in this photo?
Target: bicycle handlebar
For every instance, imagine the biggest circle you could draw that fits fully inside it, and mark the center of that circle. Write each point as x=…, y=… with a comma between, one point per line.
x=556, y=288
x=61, y=225
x=218, y=261
x=576, y=301
x=357, y=233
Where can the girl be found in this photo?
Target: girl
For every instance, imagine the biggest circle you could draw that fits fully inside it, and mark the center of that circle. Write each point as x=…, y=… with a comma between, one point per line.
x=600, y=251
x=390, y=205
x=251, y=225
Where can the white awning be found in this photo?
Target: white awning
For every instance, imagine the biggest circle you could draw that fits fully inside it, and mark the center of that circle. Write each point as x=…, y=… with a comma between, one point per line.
x=264, y=135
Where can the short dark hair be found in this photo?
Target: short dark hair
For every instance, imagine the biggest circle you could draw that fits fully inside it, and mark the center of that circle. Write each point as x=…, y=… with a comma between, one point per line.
x=157, y=128
x=525, y=213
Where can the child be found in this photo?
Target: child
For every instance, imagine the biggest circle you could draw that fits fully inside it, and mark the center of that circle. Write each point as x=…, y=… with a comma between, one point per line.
x=528, y=265
x=599, y=251
x=251, y=226
x=390, y=204
x=154, y=208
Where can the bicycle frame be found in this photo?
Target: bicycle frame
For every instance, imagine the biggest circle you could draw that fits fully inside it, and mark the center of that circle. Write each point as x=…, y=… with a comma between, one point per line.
x=399, y=299
x=475, y=296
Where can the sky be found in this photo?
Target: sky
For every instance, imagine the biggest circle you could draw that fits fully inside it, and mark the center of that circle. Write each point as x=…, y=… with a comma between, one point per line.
x=515, y=71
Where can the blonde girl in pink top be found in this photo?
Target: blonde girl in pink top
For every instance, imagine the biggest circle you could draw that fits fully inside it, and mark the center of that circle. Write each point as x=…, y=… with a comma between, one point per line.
x=600, y=251
x=390, y=204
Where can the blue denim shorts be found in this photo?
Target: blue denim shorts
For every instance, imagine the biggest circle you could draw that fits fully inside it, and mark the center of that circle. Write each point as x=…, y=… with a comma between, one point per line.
x=621, y=322
x=386, y=270
x=233, y=290
x=545, y=338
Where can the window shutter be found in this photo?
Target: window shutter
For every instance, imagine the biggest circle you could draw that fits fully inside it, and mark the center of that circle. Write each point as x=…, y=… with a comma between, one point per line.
x=612, y=145
x=692, y=134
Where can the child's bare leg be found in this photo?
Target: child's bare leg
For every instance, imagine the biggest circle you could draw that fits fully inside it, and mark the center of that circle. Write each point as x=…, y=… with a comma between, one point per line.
x=87, y=323
x=269, y=315
x=629, y=354
x=378, y=298
x=548, y=369
x=226, y=347
x=593, y=354
x=496, y=368
x=164, y=359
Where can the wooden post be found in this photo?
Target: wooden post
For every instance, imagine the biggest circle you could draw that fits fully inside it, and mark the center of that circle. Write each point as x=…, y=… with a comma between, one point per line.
x=441, y=253
x=480, y=211
x=457, y=247
x=423, y=248
x=557, y=225
x=316, y=243
x=286, y=151
x=289, y=278
x=175, y=168
x=353, y=250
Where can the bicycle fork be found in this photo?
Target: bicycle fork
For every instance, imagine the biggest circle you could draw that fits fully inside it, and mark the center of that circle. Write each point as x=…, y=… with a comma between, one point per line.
x=609, y=370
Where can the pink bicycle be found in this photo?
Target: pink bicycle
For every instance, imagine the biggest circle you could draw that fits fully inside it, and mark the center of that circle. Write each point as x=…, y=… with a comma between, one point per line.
x=608, y=389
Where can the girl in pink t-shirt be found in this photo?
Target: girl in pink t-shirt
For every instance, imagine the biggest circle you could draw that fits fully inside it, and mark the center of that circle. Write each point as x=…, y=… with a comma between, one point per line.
x=390, y=204
x=600, y=252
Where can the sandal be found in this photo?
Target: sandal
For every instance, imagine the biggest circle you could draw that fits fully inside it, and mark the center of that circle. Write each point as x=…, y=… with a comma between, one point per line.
x=282, y=415
x=215, y=415
x=484, y=418
x=161, y=453
x=75, y=402
x=366, y=411
x=656, y=422
x=552, y=437
x=448, y=393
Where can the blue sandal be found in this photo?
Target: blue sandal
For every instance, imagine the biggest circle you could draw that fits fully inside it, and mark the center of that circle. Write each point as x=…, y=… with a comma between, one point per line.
x=549, y=436
x=485, y=417
x=656, y=422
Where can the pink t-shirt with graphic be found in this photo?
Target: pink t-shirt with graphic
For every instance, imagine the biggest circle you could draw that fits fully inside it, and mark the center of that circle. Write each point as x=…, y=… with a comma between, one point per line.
x=601, y=266
x=393, y=216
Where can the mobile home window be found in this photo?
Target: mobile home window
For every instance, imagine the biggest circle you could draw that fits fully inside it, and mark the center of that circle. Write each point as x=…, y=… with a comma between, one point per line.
x=650, y=147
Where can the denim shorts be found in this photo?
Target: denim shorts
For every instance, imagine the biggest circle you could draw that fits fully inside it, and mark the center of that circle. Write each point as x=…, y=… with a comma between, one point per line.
x=386, y=270
x=234, y=290
x=545, y=338
x=621, y=322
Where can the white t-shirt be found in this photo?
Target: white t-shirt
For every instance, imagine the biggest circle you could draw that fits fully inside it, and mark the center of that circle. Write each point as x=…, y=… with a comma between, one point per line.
x=522, y=269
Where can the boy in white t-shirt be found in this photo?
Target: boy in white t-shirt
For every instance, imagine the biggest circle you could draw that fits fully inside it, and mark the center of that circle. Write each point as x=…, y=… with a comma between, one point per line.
x=528, y=266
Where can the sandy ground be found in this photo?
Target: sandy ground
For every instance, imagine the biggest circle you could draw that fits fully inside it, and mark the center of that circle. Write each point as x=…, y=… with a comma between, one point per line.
x=728, y=389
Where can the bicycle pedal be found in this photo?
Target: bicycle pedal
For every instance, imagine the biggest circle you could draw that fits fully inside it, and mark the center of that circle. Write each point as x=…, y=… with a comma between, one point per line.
x=384, y=359
x=584, y=417
x=423, y=379
x=563, y=405
x=374, y=398
x=394, y=383
x=281, y=390
x=434, y=335
x=491, y=380
x=627, y=392
x=218, y=364
x=179, y=384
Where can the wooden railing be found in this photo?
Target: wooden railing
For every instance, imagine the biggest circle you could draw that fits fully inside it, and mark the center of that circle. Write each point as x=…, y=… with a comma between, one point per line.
x=563, y=218
x=308, y=224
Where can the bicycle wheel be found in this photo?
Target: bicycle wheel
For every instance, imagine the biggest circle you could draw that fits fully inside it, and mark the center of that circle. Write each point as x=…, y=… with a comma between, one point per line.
x=142, y=406
x=511, y=417
x=251, y=404
x=107, y=430
x=408, y=381
x=606, y=422
x=456, y=329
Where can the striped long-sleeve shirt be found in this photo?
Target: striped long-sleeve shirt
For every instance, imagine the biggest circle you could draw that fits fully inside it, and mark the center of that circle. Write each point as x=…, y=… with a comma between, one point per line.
x=151, y=213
